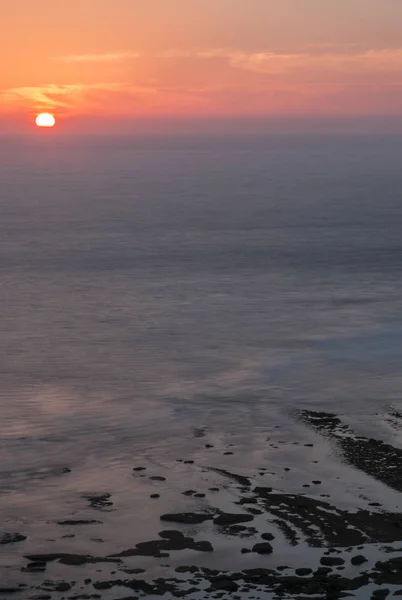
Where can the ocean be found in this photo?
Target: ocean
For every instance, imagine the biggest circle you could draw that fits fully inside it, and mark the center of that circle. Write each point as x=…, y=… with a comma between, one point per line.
x=161, y=293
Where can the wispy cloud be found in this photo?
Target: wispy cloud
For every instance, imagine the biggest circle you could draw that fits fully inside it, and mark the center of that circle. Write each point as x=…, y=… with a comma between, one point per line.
x=54, y=96
x=123, y=98
x=321, y=60
x=98, y=58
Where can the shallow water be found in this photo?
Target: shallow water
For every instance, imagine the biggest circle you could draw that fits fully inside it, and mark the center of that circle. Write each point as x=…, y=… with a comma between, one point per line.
x=155, y=287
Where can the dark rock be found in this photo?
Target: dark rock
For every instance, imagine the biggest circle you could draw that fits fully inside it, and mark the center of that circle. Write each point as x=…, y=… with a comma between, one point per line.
x=171, y=535
x=203, y=546
x=73, y=522
x=57, y=586
x=68, y=559
x=43, y=557
x=380, y=594
x=34, y=567
x=245, y=551
x=73, y=560
x=214, y=489
x=263, y=548
x=189, y=493
x=171, y=540
x=223, y=583
x=322, y=572
x=138, y=469
x=11, y=538
x=225, y=519
x=247, y=500
x=317, y=482
x=331, y=561
x=187, y=518
x=303, y=572
x=66, y=470
x=154, y=496
x=106, y=585
x=254, y=511
x=208, y=446
x=158, y=478
x=133, y=571
x=199, y=495
x=268, y=537
x=188, y=462
x=227, y=453
x=99, y=502
x=358, y=560
x=244, y=481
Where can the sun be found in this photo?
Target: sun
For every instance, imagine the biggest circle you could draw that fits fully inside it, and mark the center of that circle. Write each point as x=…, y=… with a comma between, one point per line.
x=45, y=120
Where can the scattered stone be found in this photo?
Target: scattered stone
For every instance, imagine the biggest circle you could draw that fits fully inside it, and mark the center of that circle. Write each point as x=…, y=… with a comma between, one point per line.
x=331, y=561
x=154, y=496
x=317, y=482
x=228, y=453
x=138, y=469
x=380, y=594
x=66, y=470
x=223, y=583
x=57, y=586
x=34, y=567
x=171, y=540
x=12, y=538
x=189, y=493
x=358, y=560
x=188, y=462
x=268, y=537
x=303, y=572
x=263, y=548
x=208, y=446
x=101, y=502
x=79, y=522
x=157, y=478
x=187, y=518
x=225, y=519
x=244, y=481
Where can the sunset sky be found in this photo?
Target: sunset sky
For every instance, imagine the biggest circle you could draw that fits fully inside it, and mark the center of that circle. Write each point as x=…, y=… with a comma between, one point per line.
x=119, y=59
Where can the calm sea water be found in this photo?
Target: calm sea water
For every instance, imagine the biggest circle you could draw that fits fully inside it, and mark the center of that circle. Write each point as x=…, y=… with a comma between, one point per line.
x=151, y=287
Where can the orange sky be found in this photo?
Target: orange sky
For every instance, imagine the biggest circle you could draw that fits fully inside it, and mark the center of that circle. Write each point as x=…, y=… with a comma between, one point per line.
x=141, y=58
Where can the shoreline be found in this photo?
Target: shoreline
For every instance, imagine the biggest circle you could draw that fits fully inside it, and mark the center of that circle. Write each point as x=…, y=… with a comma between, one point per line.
x=231, y=535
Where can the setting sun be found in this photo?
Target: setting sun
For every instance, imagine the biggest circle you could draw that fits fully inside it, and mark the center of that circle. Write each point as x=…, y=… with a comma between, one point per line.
x=45, y=120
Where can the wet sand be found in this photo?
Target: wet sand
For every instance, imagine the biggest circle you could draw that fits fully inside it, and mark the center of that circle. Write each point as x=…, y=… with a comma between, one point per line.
x=232, y=532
